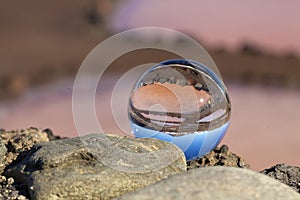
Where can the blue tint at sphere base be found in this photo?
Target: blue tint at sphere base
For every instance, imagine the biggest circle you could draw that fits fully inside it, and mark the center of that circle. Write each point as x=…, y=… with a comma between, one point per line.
x=194, y=145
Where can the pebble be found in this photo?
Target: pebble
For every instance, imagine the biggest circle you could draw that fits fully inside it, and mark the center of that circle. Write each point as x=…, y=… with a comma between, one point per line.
x=11, y=191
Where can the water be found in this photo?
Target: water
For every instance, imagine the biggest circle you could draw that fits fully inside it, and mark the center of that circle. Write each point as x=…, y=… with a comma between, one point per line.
x=259, y=133
x=182, y=102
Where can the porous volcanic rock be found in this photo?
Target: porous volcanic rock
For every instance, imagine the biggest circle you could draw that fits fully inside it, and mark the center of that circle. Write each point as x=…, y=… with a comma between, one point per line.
x=289, y=175
x=17, y=141
x=220, y=156
x=11, y=190
x=13, y=143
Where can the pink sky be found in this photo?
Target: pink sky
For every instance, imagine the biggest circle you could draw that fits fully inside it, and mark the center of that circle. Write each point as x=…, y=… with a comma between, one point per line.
x=272, y=24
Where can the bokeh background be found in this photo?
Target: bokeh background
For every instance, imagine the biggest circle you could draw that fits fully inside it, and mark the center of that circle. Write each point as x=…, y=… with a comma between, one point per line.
x=255, y=44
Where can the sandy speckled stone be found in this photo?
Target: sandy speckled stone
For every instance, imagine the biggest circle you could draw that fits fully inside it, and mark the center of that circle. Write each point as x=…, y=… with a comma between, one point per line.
x=96, y=166
x=210, y=183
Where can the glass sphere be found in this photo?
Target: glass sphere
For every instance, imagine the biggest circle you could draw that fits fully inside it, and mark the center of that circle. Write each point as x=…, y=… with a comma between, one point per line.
x=182, y=102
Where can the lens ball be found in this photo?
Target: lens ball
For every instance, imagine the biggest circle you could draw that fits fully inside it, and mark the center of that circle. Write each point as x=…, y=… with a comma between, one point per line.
x=182, y=102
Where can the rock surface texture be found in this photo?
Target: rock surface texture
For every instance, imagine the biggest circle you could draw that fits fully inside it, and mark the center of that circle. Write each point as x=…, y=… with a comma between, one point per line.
x=220, y=156
x=20, y=140
x=212, y=183
x=96, y=166
x=289, y=175
x=3, y=150
x=10, y=190
x=14, y=143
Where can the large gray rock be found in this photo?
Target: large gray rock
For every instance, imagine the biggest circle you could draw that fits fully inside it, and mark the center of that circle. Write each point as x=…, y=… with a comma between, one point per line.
x=210, y=183
x=96, y=166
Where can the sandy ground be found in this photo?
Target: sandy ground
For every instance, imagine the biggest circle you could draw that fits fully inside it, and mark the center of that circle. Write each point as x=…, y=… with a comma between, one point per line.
x=264, y=124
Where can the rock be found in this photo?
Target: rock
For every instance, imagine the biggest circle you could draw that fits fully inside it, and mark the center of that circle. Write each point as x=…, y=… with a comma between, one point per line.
x=20, y=140
x=210, y=183
x=10, y=190
x=289, y=175
x=17, y=141
x=96, y=166
x=3, y=150
x=13, y=143
x=51, y=136
x=220, y=156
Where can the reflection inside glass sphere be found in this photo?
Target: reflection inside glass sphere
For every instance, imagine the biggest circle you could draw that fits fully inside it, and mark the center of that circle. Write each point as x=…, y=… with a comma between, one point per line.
x=182, y=102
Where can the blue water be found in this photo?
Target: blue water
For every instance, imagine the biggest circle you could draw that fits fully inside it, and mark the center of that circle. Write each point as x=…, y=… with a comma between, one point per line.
x=193, y=145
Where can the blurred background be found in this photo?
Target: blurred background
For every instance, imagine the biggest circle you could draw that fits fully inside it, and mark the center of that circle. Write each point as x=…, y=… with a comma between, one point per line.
x=255, y=44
